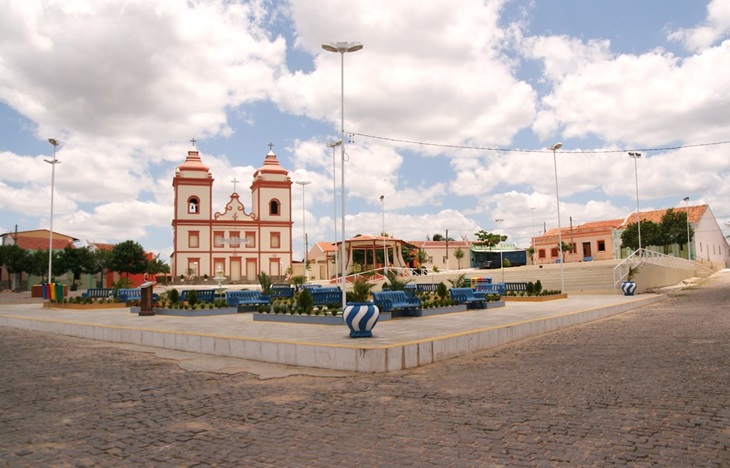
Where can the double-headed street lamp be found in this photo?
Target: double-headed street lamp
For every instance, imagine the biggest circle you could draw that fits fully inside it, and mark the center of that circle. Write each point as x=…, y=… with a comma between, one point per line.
x=342, y=48
x=304, y=183
x=554, y=148
x=636, y=156
x=53, y=163
x=334, y=145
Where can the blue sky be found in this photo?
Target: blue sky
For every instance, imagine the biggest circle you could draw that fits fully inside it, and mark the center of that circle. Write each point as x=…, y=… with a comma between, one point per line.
x=124, y=85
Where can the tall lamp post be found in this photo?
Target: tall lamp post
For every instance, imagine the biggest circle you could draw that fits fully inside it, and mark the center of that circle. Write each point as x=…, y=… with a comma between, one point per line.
x=304, y=183
x=334, y=145
x=342, y=48
x=689, y=244
x=501, y=259
x=532, y=236
x=53, y=163
x=554, y=148
x=636, y=156
x=385, y=249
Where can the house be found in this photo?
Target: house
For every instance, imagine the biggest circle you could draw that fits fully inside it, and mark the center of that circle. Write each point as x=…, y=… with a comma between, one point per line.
x=601, y=240
x=37, y=239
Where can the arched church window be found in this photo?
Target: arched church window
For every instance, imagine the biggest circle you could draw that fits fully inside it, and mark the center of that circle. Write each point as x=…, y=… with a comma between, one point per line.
x=193, y=205
x=274, y=207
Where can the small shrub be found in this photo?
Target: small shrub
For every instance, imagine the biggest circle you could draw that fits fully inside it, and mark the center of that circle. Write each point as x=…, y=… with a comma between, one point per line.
x=305, y=301
x=442, y=290
x=538, y=287
x=530, y=288
x=174, y=296
x=192, y=297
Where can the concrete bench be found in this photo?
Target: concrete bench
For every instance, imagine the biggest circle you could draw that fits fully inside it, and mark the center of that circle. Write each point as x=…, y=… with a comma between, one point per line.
x=469, y=297
x=247, y=297
x=98, y=293
x=204, y=295
x=321, y=298
x=390, y=300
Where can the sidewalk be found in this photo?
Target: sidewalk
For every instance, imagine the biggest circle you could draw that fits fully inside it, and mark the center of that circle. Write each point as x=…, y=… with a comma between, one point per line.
x=396, y=344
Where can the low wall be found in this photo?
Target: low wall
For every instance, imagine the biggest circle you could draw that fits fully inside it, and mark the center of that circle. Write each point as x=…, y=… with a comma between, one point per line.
x=656, y=276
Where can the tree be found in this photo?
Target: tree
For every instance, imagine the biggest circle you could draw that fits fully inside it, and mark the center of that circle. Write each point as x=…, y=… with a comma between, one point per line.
x=15, y=260
x=37, y=263
x=76, y=261
x=157, y=266
x=489, y=239
x=458, y=255
x=128, y=257
x=673, y=229
x=101, y=262
x=421, y=256
x=440, y=238
x=408, y=254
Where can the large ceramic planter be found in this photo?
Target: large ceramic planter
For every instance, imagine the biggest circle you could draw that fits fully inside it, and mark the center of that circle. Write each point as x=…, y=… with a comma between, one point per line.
x=360, y=318
x=628, y=287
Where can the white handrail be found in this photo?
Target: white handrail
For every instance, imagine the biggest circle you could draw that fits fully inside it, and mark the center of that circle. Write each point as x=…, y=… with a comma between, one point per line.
x=641, y=256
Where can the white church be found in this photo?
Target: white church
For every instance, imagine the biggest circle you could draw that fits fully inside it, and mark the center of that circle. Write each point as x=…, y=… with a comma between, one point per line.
x=239, y=243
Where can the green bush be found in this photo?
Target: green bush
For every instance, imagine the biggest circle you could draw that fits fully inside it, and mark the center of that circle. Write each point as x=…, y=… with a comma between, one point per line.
x=530, y=288
x=192, y=298
x=174, y=296
x=442, y=290
x=305, y=301
x=538, y=287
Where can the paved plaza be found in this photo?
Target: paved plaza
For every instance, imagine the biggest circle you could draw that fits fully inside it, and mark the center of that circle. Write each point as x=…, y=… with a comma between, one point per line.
x=646, y=387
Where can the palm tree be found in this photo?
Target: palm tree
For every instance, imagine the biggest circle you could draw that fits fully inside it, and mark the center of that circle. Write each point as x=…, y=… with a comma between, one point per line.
x=459, y=254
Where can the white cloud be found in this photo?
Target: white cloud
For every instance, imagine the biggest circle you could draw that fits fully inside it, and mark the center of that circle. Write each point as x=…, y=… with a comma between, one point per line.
x=716, y=26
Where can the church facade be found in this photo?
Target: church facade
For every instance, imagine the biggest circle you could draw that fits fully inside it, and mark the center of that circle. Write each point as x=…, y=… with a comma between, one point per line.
x=239, y=243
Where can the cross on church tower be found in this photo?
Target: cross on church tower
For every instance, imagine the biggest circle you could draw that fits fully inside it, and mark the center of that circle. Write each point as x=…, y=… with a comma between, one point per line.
x=271, y=146
x=235, y=181
x=192, y=140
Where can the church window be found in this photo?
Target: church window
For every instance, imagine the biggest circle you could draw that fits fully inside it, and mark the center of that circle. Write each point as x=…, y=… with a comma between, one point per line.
x=274, y=208
x=250, y=239
x=219, y=239
x=193, y=205
x=194, y=239
x=235, y=238
x=275, y=240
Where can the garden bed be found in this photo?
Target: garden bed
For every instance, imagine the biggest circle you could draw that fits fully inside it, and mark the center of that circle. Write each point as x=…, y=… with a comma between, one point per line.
x=190, y=312
x=91, y=306
x=552, y=297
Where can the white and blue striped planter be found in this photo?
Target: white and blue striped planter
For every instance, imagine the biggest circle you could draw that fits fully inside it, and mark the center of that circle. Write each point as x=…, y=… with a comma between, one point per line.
x=628, y=287
x=360, y=318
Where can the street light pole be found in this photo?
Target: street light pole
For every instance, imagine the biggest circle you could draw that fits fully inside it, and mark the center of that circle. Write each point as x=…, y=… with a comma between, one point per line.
x=53, y=163
x=304, y=183
x=689, y=244
x=554, y=148
x=636, y=156
x=342, y=48
x=385, y=249
x=501, y=249
x=334, y=145
x=532, y=236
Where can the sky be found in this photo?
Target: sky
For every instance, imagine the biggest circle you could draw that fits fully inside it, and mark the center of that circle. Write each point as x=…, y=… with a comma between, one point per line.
x=449, y=109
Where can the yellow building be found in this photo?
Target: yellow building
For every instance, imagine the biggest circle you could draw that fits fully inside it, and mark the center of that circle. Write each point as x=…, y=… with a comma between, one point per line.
x=237, y=242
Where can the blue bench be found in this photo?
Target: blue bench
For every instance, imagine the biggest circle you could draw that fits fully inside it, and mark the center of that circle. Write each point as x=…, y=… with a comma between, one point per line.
x=204, y=295
x=515, y=286
x=282, y=290
x=321, y=298
x=486, y=288
x=469, y=297
x=389, y=300
x=98, y=293
x=133, y=294
x=310, y=286
x=247, y=297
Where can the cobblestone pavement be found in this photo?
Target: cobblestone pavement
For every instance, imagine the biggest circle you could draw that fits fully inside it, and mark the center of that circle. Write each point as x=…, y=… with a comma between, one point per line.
x=649, y=387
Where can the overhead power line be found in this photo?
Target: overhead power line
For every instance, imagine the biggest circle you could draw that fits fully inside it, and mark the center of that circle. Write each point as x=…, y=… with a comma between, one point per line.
x=544, y=150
